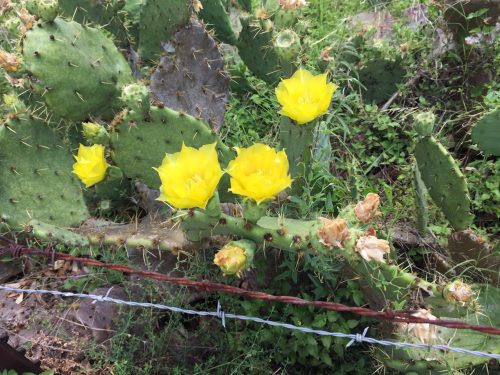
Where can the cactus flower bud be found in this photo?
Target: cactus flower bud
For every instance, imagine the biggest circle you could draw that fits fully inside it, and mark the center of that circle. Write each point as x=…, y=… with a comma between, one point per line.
x=95, y=133
x=424, y=122
x=366, y=209
x=458, y=291
x=425, y=332
x=372, y=248
x=9, y=62
x=136, y=97
x=333, y=233
x=235, y=257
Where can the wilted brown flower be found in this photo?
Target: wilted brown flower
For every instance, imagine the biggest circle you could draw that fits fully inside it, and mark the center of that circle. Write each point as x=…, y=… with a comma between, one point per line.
x=325, y=53
x=333, y=233
x=425, y=332
x=366, y=209
x=292, y=4
x=372, y=248
x=26, y=18
x=458, y=291
x=8, y=61
x=197, y=6
x=5, y=6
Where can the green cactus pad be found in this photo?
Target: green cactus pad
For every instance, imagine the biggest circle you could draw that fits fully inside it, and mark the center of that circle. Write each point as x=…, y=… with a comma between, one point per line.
x=444, y=181
x=49, y=233
x=131, y=11
x=45, y=9
x=380, y=78
x=268, y=55
x=78, y=70
x=103, y=13
x=297, y=141
x=140, y=143
x=158, y=23
x=215, y=15
x=486, y=133
x=191, y=78
x=420, y=201
x=36, y=181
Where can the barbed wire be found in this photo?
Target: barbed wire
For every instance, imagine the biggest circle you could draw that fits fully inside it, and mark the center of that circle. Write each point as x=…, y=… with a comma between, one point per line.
x=397, y=316
x=219, y=313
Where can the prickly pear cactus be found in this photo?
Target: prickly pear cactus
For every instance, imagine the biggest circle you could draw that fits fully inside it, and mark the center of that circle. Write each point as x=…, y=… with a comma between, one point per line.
x=47, y=10
x=35, y=176
x=215, y=15
x=486, y=133
x=297, y=141
x=486, y=312
x=157, y=23
x=131, y=14
x=467, y=248
x=444, y=181
x=77, y=69
x=380, y=78
x=269, y=55
x=191, y=76
x=103, y=13
x=420, y=201
x=140, y=142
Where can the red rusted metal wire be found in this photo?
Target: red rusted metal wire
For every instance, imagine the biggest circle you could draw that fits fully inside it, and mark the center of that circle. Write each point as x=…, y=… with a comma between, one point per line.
x=208, y=286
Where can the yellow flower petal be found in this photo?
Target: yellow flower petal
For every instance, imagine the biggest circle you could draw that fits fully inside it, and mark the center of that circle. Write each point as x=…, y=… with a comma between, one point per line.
x=190, y=177
x=304, y=97
x=90, y=166
x=259, y=172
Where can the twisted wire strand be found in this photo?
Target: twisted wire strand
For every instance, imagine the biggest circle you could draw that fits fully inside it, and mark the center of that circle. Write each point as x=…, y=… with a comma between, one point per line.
x=397, y=316
x=357, y=337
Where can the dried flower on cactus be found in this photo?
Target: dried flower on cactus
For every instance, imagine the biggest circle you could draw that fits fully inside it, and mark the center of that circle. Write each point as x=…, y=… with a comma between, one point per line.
x=9, y=62
x=5, y=6
x=259, y=172
x=425, y=332
x=197, y=6
x=90, y=166
x=27, y=19
x=190, y=177
x=372, y=248
x=292, y=4
x=235, y=257
x=458, y=291
x=366, y=210
x=304, y=97
x=333, y=233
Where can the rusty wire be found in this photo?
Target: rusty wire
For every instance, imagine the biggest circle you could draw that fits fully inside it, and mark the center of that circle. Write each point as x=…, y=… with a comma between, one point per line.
x=397, y=316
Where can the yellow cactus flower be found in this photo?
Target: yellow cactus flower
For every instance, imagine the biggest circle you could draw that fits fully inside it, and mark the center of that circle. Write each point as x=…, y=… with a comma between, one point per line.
x=189, y=177
x=90, y=166
x=259, y=172
x=304, y=97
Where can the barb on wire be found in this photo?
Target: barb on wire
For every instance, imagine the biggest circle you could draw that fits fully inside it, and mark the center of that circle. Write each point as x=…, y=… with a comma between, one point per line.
x=396, y=316
x=219, y=313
